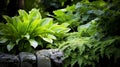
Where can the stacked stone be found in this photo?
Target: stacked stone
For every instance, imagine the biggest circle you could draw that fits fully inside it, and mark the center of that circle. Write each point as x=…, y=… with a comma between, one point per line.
x=41, y=58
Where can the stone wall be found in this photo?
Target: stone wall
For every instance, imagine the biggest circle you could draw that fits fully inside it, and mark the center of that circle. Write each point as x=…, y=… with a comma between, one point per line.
x=41, y=58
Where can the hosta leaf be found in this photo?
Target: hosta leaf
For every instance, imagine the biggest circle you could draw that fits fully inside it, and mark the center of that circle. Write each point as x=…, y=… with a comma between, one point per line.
x=65, y=24
x=48, y=40
x=59, y=28
x=33, y=25
x=33, y=43
x=47, y=22
x=51, y=36
x=10, y=46
x=34, y=14
x=27, y=36
x=3, y=40
x=20, y=28
x=39, y=30
x=16, y=20
x=23, y=14
x=17, y=41
x=11, y=30
x=7, y=18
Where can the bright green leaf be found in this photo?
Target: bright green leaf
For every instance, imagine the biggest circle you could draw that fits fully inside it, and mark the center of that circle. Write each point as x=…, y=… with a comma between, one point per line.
x=51, y=36
x=7, y=18
x=3, y=40
x=10, y=46
x=33, y=43
x=48, y=40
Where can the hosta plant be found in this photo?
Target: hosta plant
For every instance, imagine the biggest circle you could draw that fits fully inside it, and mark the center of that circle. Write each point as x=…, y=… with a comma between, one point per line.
x=28, y=30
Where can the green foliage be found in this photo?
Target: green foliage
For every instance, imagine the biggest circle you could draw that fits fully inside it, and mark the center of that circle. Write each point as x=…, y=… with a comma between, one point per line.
x=45, y=6
x=79, y=14
x=77, y=50
x=66, y=16
x=97, y=34
x=29, y=30
x=28, y=6
x=79, y=46
x=86, y=50
x=110, y=20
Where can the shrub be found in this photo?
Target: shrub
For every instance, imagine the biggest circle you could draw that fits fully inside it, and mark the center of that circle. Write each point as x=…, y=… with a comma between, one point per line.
x=28, y=30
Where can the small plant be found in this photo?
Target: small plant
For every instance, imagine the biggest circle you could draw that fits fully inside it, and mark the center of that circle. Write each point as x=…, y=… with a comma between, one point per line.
x=28, y=30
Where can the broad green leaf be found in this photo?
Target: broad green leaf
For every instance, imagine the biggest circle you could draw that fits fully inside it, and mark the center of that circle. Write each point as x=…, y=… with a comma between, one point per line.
x=34, y=14
x=7, y=18
x=33, y=25
x=23, y=14
x=33, y=43
x=11, y=29
x=10, y=46
x=65, y=24
x=42, y=30
x=20, y=28
x=46, y=22
x=3, y=40
x=15, y=22
x=59, y=28
x=59, y=12
x=51, y=36
x=17, y=41
x=27, y=36
x=48, y=40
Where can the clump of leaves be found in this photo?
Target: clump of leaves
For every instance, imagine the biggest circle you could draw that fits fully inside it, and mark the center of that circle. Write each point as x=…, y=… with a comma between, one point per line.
x=79, y=14
x=28, y=30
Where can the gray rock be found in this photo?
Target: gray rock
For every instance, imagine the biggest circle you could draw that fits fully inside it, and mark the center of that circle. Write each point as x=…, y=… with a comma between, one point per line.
x=54, y=55
x=8, y=60
x=27, y=59
x=43, y=58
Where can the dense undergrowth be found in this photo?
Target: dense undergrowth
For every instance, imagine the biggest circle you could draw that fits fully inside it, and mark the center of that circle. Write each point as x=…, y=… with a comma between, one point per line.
x=94, y=33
